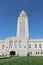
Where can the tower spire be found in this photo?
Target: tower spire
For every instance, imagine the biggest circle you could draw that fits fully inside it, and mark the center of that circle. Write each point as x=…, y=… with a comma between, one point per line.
x=23, y=13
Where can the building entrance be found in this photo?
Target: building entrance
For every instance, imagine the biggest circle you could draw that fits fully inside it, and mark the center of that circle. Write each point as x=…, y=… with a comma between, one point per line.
x=12, y=53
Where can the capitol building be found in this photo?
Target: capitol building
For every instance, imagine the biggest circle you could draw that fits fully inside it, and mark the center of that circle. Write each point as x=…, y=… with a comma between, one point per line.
x=21, y=45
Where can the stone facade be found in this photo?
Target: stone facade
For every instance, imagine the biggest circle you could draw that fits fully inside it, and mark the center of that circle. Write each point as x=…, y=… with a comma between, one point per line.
x=21, y=45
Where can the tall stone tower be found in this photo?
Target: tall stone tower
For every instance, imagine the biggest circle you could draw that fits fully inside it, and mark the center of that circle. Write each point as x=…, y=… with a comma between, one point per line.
x=22, y=25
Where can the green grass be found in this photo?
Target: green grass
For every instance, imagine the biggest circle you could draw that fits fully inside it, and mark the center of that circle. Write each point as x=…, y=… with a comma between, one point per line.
x=22, y=61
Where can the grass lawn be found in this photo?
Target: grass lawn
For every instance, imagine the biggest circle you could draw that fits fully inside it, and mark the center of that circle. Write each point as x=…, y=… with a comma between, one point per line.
x=22, y=61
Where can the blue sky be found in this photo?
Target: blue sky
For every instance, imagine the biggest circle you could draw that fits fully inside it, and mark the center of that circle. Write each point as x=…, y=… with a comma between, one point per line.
x=9, y=12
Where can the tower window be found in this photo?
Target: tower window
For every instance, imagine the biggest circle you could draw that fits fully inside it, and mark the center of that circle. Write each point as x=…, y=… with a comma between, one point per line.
x=22, y=28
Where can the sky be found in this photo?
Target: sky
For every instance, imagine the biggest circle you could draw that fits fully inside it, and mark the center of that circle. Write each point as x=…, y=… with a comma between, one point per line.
x=9, y=12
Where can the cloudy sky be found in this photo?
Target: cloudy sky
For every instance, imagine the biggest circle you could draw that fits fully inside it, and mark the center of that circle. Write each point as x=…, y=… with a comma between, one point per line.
x=9, y=12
